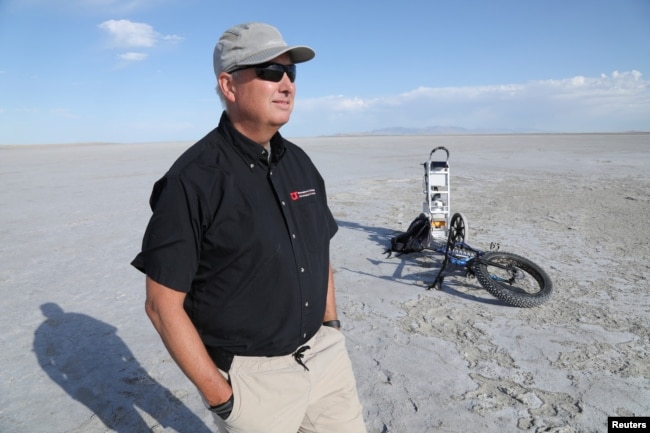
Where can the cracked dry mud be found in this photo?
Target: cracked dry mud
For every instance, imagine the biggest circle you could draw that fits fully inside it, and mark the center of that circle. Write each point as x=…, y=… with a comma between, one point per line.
x=449, y=361
x=562, y=367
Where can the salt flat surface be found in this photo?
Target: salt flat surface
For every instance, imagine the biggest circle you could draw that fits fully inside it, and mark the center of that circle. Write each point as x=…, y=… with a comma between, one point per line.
x=79, y=355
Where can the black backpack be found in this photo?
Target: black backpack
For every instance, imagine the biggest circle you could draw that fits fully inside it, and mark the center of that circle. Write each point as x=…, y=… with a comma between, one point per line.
x=413, y=239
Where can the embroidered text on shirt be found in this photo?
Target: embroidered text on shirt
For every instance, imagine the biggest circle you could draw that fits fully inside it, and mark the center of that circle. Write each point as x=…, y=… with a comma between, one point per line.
x=296, y=195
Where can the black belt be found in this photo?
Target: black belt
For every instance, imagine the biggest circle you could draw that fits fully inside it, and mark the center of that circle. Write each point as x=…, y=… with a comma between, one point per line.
x=223, y=359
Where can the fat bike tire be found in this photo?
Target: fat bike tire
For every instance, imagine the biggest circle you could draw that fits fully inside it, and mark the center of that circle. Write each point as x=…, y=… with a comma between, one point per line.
x=531, y=286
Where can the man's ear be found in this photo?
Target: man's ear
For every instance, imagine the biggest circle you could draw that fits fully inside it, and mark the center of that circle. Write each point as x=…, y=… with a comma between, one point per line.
x=226, y=83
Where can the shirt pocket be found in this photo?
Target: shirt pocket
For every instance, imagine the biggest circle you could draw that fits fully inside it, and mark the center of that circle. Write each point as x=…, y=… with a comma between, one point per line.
x=312, y=224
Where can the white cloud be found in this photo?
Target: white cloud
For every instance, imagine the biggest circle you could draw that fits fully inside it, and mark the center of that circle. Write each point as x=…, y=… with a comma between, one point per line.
x=619, y=101
x=172, y=38
x=133, y=57
x=127, y=34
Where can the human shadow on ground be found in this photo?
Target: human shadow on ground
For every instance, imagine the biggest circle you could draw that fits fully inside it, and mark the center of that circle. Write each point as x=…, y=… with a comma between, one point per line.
x=86, y=358
x=379, y=235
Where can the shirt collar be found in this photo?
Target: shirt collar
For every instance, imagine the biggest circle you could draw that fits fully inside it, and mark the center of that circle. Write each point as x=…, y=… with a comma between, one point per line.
x=252, y=152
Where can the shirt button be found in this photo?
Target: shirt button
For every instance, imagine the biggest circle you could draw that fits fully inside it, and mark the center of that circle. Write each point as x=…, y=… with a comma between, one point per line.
x=306, y=304
x=293, y=235
x=284, y=204
x=302, y=269
x=252, y=165
x=304, y=335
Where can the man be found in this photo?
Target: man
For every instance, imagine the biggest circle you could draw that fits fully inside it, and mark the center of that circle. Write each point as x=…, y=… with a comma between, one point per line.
x=236, y=257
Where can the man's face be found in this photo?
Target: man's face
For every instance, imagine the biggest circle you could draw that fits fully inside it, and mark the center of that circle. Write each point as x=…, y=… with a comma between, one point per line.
x=260, y=103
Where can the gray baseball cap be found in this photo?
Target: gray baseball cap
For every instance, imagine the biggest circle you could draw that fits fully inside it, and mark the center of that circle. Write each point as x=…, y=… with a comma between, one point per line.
x=254, y=43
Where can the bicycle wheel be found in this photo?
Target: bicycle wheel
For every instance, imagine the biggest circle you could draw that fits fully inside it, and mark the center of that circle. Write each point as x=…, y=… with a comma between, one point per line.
x=521, y=284
x=458, y=230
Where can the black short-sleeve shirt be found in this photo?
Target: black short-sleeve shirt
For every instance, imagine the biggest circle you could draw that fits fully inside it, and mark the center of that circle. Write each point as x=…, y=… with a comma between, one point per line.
x=247, y=237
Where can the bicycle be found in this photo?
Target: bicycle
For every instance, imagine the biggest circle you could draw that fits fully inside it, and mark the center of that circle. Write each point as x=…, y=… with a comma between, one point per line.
x=514, y=279
x=509, y=277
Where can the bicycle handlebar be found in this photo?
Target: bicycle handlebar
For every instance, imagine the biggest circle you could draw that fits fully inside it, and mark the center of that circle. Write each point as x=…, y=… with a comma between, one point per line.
x=439, y=148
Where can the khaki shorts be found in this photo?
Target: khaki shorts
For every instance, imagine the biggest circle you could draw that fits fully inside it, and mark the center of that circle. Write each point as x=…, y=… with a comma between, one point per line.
x=277, y=395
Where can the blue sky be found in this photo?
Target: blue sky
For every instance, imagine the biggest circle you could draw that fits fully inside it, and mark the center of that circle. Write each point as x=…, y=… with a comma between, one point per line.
x=141, y=70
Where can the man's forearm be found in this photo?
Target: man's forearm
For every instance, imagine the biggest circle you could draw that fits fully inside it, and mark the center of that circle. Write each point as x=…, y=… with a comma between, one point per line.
x=184, y=344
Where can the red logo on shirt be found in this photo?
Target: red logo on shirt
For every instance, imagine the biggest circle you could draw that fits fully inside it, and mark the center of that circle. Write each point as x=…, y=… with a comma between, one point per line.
x=296, y=195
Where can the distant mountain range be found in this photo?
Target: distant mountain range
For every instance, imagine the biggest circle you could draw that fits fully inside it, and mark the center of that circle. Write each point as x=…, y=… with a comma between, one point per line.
x=443, y=130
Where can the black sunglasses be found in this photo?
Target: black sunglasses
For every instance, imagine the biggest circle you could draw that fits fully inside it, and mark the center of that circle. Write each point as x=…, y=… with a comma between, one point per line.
x=272, y=71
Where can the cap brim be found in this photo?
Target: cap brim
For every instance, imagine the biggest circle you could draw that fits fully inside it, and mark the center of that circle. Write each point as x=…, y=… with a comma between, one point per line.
x=298, y=54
